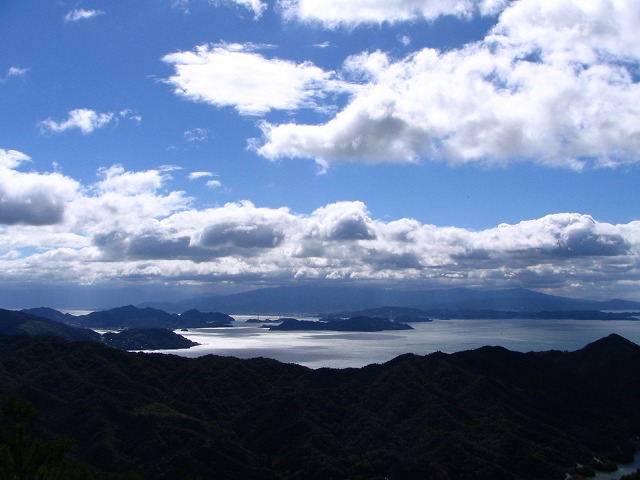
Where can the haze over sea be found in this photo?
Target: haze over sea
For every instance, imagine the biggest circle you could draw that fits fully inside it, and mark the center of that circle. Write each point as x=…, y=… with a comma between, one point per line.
x=357, y=349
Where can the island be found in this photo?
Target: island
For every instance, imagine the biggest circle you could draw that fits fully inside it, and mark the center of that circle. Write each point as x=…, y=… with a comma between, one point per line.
x=147, y=339
x=352, y=324
x=21, y=323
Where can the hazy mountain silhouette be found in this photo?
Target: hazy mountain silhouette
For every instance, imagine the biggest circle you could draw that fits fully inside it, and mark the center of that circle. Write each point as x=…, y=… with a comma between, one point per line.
x=325, y=299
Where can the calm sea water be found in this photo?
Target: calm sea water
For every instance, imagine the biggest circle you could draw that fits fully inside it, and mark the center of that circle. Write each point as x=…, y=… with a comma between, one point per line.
x=355, y=349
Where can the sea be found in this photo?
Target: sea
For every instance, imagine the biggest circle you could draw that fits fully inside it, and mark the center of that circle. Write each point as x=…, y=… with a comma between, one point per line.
x=357, y=349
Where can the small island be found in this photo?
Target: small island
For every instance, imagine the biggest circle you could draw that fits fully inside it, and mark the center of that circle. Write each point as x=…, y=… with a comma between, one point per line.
x=353, y=324
x=147, y=339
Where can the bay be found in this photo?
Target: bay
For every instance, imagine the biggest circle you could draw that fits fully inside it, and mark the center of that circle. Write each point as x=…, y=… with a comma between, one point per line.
x=624, y=469
x=356, y=349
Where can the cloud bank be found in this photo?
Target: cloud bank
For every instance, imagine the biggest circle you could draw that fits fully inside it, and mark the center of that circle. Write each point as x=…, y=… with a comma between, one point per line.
x=130, y=226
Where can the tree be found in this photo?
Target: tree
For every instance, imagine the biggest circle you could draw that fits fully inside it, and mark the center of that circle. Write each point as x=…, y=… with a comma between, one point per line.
x=23, y=458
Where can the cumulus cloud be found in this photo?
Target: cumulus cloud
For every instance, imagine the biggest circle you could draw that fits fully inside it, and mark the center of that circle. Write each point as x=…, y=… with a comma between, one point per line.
x=82, y=14
x=343, y=221
x=336, y=13
x=552, y=83
x=236, y=75
x=82, y=119
x=31, y=198
x=132, y=225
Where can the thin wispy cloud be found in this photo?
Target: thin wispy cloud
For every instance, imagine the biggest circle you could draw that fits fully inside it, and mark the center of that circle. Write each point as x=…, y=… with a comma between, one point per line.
x=82, y=14
x=197, y=175
x=129, y=114
x=13, y=72
x=181, y=5
x=197, y=134
x=256, y=6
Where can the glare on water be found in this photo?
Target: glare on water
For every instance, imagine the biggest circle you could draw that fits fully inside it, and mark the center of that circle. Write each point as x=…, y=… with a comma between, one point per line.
x=356, y=349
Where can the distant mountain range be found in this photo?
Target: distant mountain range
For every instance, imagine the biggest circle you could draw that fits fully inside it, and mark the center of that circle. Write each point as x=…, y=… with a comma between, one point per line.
x=315, y=299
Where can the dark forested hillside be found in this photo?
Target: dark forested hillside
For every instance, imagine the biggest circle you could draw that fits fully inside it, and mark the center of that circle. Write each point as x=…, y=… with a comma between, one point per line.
x=21, y=323
x=488, y=413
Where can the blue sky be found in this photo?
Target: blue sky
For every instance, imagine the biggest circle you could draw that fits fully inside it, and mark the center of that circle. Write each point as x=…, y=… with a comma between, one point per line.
x=172, y=148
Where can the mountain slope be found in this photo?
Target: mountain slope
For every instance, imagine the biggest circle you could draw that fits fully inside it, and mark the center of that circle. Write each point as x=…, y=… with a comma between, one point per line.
x=487, y=413
x=20, y=323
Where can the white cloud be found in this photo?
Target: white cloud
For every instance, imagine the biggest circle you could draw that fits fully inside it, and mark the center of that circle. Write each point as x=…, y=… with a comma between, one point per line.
x=83, y=119
x=197, y=175
x=82, y=14
x=553, y=83
x=10, y=159
x=235, y=75
x=13, y=72
x=129, y=114
x=256, y=6
x=336, y=13
x=214, y=184
x=181, y=5
x=197, y=134
x=130, y=225
x=32, y=198
x=405, y=40
x=116, y=179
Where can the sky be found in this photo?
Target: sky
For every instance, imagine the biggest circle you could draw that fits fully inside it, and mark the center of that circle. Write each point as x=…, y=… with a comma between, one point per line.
x=164, y=149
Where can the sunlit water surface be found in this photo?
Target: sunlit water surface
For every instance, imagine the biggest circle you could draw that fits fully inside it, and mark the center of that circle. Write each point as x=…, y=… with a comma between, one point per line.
x=356, y=349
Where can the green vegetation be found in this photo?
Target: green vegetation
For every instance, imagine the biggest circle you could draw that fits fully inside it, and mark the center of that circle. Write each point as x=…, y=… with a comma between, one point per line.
x=488, y=413
x=23, y=458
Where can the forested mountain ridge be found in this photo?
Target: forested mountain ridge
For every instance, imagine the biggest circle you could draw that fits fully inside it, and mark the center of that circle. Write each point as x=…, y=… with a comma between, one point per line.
x=487, y=413
x=22, y=323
